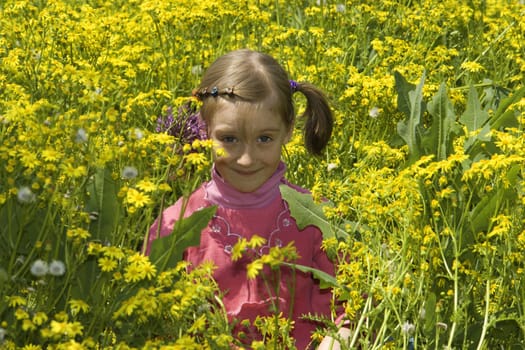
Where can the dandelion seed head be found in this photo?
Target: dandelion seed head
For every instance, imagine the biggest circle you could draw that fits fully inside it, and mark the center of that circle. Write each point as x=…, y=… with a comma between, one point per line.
x=139, y=134
x=374, y=112
x=129, y=172
x=196, y=70
x=331, y=166
x=39, y=268
x=81, y=136
x=25, y=195
x=408, y=328
x=57, y=268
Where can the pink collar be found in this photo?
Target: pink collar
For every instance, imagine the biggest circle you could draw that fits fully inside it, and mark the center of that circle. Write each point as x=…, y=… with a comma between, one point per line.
x=218, y=192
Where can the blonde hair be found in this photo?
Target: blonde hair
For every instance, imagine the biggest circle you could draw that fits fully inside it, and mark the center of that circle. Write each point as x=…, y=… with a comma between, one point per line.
x=246, y=76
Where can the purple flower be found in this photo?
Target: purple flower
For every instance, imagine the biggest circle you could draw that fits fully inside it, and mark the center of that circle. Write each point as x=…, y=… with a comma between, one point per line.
x=187, y=125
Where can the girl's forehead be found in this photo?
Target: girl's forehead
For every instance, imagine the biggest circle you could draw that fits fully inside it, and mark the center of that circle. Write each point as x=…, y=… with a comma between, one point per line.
x=237, y=114
x=238, y=108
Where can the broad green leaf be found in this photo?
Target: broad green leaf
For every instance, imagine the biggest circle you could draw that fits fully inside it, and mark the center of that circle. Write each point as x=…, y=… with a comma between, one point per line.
x=306, y=212
x=408, y=129
x=504, y=117
x=103, y=200
x=325, y=280
x=85, y=276
x=430, y=313
x=403, y=87
x=474, y=116
x=488, y=206
x=167, y=251
x=439, y=138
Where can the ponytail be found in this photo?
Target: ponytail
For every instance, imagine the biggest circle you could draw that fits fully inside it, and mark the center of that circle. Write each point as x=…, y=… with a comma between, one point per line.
x=319, y=119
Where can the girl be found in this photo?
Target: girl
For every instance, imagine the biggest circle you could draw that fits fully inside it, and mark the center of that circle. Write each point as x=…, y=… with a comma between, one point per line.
x=247, y=107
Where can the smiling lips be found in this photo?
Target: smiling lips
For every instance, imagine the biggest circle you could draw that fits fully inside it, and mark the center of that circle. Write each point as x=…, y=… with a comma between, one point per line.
x=245, y=173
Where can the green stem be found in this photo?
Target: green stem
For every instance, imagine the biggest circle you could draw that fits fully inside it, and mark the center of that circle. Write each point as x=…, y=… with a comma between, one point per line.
x=362, y=319
x=456, y=297
x=486, y=317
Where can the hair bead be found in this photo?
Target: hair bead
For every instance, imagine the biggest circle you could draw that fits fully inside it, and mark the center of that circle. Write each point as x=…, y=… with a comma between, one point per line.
x=294, y=86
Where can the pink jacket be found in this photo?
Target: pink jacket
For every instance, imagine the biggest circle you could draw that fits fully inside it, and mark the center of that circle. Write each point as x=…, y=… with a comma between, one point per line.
x=265, y=214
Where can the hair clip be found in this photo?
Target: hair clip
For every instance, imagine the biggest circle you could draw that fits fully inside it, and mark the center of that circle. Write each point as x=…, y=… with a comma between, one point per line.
x=293, y=85
x=215, y=91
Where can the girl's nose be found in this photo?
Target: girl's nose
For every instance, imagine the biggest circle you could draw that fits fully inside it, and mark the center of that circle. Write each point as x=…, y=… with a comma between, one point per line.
x=246, y=158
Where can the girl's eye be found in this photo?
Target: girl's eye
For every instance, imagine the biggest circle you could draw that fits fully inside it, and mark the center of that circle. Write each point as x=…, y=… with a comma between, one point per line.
x=265, y=139
x=228, y=139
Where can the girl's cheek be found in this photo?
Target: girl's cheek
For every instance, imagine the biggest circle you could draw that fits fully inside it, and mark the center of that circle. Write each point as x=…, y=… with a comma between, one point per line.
x=220, y=152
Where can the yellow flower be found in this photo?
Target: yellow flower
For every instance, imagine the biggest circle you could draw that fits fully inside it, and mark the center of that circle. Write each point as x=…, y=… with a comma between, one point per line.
x=254, y=268
x=78, y=233
x=149, y=270
x=32, y=347
x=39, y=318
x=137, y=198
x=94, y=248
x=472, y=67
x=28, y=325
x=196, y=158
x=51, y=155
x=74, y=172
x=58, y=328
x=256, y=241
x=107, y=264
x=21, y=314
x=113, y=252
x=146, y=186
x=16, y=300
x=72, y=345
x=133, y=273
x=74, y=328
x=238, y=249
x=28, y=159
x=162, y=187
x=77, y=305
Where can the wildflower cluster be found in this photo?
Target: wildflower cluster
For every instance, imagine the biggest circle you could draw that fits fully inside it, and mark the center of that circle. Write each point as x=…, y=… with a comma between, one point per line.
x=426, y=176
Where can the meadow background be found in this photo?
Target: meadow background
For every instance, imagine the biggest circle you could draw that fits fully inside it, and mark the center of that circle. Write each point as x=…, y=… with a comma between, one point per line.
x=425, y=169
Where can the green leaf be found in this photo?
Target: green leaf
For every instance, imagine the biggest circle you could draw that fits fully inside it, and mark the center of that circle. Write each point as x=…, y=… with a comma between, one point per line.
x=403, y=87
x=503, y=117
x=443, y=129
x=325, y=280
x=85, y=276
x=474, y=116
x=306, y=212
x=167, y=251
x=489, y=206
x=408, y=129
x=430, y=313
x=102, y=199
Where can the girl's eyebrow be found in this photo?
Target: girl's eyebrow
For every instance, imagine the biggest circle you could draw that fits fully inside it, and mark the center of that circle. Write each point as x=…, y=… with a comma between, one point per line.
x=271, y=130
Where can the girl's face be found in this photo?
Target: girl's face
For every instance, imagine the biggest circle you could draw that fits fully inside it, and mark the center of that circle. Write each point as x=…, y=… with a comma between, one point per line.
x=248, y=143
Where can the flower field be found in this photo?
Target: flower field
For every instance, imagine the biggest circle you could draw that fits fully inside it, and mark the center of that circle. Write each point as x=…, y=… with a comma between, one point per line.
x=425, y=170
